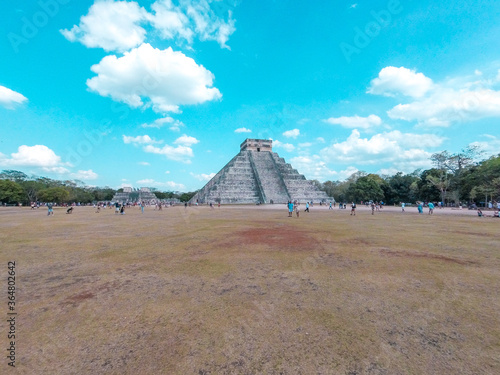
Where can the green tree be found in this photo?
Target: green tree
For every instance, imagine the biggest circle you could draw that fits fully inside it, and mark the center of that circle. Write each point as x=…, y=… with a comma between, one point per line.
x=366, y=188
x=54, y=194
x=10, y=192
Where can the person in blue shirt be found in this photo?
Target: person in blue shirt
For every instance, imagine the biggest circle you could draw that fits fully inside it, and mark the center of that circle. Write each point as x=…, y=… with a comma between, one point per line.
x=290, y=208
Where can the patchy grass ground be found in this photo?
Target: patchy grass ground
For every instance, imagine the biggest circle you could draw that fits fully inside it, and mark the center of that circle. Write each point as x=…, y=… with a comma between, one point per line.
x=250, y=291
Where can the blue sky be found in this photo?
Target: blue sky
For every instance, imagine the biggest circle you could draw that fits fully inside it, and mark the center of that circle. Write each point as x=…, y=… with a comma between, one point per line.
x=162, y=93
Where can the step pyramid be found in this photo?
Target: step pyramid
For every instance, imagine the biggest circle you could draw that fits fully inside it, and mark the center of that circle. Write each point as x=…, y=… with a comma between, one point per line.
x=258, y=175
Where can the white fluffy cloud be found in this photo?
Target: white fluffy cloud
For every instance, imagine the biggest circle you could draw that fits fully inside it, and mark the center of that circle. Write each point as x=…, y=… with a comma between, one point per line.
x=172, y=124
x=242, y=130
x=446, y=105
x=285, y=146
x=35, y=156
x=192, y=19
x=9, y=98
x=163, y=78
x=182, y=154
x=312, y=167
x=118, y=25
x=355, y=122
x=294, y=133
x=110, y=25
x=140, y=140
x=186, y=140
x=404, y=151
x=85, y=175
x=203, y=176
x=392, y=80
x=459, y=99
x=149, y=182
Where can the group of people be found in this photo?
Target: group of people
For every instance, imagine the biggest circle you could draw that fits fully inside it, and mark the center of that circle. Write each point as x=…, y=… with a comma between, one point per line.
x=294, y=206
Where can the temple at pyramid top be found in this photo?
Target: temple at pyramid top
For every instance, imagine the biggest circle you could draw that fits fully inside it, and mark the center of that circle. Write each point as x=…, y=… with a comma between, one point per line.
x=257, y=145
x=258, y=175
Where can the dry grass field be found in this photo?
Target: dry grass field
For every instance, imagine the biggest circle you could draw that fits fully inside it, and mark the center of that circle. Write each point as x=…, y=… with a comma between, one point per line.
x=247, y=290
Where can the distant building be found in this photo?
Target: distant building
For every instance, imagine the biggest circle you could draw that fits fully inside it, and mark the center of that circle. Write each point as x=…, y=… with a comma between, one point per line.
x=130, y=195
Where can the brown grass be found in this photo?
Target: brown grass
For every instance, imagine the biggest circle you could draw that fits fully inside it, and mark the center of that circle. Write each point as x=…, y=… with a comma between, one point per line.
x=250, y=291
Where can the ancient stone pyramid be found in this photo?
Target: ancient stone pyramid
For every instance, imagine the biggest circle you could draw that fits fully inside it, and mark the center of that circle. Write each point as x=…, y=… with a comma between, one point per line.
x=258, y=175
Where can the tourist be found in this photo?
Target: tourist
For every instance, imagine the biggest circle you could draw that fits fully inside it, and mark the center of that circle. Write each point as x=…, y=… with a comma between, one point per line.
x=330, y=208
x=353, y=209
x=117, y=208
x=50, y=208
x=297, y=208
x=402, y=206
x=142, y=206
x=373, y=208
x=479, y=212
x=122, y=210
x=290, y=208
x=431, y=208
x=307, y=207
x=420, y=208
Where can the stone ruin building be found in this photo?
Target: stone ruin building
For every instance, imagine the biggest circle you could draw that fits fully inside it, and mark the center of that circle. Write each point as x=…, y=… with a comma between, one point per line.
x=130, y=195
x=258, y=175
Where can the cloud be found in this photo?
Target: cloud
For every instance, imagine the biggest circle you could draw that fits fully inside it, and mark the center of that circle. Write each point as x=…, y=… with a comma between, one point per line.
x=182, y=154
x=447, y=105
x=186, y=140
x=456, y=100
x=313, y=167
x=9, y=98
x=172, y=123
x=490, y=147
x=203, y=176
x=85, y=175
x=163, y=78
x=192, y=19
x=140, y=140
x=294, y=133
x=305, y=144
x=403, y=151
x=168, y=184
x=286, y=146
x=354, y=122
x=144, y=163
x=392, y=80
x=242, y=130
x=117, y=25
x=110, y=25
x=35, y=156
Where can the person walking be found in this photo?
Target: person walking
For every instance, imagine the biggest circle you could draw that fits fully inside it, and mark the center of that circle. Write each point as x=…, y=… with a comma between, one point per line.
x=290, y=208
x=353, y=209
x=403, y=207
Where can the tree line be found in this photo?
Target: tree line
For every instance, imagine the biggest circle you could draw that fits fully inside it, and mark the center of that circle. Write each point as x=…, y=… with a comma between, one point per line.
x=18, y=188
x=454, y=179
